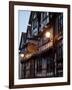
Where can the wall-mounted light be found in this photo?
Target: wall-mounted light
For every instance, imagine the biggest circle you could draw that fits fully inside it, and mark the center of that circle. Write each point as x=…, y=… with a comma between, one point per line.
x=28, y=55
x=47, y=34
x=21, y=55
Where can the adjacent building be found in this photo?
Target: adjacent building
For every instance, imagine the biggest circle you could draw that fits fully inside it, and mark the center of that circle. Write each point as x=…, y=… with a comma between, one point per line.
x=41, y=47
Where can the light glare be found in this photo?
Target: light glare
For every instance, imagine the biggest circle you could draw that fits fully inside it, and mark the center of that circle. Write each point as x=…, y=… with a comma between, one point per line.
x=22, y=55
x=47, y=34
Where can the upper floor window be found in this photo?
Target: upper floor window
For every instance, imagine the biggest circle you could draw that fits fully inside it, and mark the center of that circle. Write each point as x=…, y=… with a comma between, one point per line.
x=34, y=27
x=60, y=23
x=34, y=16
x=35, y=31
x=44, y=15
x=22, y=43
x=34, y=23
x=44, y=19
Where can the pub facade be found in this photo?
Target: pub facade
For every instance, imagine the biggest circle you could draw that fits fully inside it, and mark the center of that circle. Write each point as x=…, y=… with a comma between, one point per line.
x=41, y=47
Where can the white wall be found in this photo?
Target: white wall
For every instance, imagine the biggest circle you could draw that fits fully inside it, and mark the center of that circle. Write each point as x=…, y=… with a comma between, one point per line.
x=4, y=44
